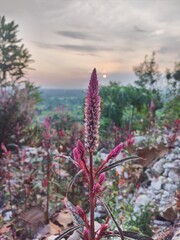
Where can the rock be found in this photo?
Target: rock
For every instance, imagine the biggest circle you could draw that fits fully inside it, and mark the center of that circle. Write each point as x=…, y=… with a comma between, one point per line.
x=120, y=169
x=31, y=151
x=162, y=223
x=170, y=157
x=165, y=194
x=171, y=165
x=174, y=176
x=53, y=237
x=141, y=200
x=139, y=139
x=151, y=174
x=126, y=176
x=159, y=139
x=157, y=196
x=157, y=182
x=176, y=235
x=158, y=166
x=169, y=213
x=176, y=229
x=74, y=236
x=100, y=211
x=169, y=180
x=171, y=188
x=166, y=171
x=7, y=215
x=103, y=156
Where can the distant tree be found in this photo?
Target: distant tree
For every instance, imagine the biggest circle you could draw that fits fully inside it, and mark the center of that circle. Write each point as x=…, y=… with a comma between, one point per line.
x=147, y=73
x=116, y=98
x=18, y=97
x=14, y=57
x=173, y=78
x=172, y=106
x=148, y=77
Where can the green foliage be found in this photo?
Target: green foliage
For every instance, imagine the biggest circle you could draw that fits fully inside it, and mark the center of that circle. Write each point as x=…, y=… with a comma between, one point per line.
x=18, y=99
x=171, y=110
x=14, y=57
x=173, y=79
x=121, y=104
x=138, y=221
x=127, y=217
x=147, y=73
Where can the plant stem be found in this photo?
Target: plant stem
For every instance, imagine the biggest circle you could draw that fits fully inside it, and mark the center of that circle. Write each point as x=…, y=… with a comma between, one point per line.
x=91, y=197
x=48, y=178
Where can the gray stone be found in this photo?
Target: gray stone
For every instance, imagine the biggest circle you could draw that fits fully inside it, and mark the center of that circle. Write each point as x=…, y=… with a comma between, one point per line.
x=165, y=193
x=157, y=196
x=141, y=200
x=103, y=156
x=157, y=183
x=169, y=180
x=139, y=139
x=126, y=176
x=165, y=173
x=174, y=176
x=171, y=188
x=7, y=215
x=170, y=165
x=159, y=166
x=176, y=235
x=170, y=157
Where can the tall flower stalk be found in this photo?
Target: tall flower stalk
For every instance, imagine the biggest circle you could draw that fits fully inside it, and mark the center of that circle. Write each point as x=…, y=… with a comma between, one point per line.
x=94, y=177
x=47, y=145
x=92, y=117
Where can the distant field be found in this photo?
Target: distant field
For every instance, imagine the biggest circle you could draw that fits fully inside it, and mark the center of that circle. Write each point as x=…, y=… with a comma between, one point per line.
x=71, y=100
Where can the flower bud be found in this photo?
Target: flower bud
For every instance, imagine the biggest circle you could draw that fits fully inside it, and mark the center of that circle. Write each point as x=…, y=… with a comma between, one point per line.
x=101, y=178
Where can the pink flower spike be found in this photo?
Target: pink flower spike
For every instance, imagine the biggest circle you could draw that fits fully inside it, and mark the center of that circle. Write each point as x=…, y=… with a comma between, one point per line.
x=86, y=234
x=80, y=212
x=96, y=188
x=101, y=178
x=46, y=133
x=81, y=149
x=6, y=152
x=92, y=114
x=104, y=227
x=75, y=154
x=130, y=141
x=114, y=153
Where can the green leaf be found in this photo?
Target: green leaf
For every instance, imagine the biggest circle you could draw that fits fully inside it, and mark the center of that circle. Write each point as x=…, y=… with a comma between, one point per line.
x=77, y=220
x=109, y=235
x=134, y=235
x=68, y=231
x=113, y=218
x=73, y=180
x=115, y=164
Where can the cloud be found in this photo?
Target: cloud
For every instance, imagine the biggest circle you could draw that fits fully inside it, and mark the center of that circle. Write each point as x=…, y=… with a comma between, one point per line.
x=76, y=48
x=158, y=32
x=84, y=48
x=140, y=30
x=113, y=35
x=76, y=35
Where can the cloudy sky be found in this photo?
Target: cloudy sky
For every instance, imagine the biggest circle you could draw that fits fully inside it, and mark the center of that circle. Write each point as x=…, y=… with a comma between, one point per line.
x=68, y=38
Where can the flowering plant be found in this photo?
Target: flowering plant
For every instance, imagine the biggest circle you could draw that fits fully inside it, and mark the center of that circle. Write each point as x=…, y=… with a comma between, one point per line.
x=94, y=177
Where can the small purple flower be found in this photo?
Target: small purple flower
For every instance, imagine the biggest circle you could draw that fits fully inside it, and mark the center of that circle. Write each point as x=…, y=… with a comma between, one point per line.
x=92, y=114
